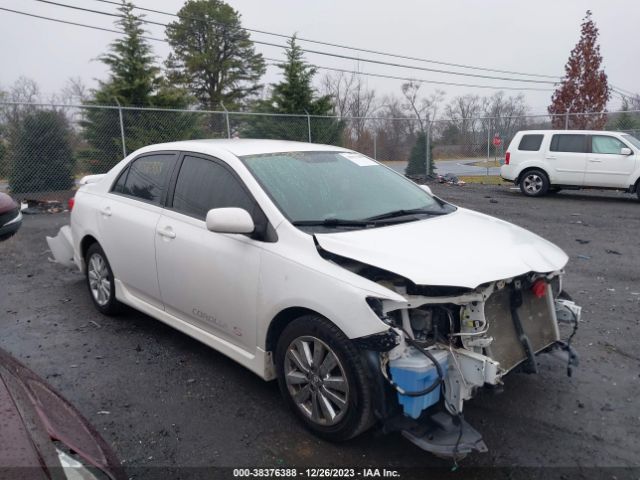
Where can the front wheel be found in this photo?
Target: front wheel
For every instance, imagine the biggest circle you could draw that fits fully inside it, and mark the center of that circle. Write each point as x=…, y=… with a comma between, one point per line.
x=322, y=378
x=100, y=281
x=534, y=183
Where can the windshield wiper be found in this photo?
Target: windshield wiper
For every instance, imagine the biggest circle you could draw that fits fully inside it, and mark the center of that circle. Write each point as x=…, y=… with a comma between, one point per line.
x=402, y=213
x=332, y=222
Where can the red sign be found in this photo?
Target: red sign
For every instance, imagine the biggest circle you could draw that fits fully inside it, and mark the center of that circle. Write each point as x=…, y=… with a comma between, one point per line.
x=497, y=141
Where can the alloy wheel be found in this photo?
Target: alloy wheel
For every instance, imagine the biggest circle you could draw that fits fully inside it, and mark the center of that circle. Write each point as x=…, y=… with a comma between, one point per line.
x=533, y=183
x=99, y=282
x=316, y=380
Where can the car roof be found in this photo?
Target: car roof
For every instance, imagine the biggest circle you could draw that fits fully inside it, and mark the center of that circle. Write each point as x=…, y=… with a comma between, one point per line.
x=240, y=147
x=592, y=132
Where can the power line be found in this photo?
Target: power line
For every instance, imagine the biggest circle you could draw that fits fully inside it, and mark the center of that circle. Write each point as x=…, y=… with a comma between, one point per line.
x=120, y=32
x=337, y=45
x=76, y=24
x=336, y=55
x=624, y=91
x=419, y=80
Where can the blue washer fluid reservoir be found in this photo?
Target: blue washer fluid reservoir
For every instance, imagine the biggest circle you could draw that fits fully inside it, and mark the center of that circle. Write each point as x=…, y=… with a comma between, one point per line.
x=414, y=372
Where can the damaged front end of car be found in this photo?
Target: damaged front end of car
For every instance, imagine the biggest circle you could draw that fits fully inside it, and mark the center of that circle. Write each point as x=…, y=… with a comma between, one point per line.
x=445, y=343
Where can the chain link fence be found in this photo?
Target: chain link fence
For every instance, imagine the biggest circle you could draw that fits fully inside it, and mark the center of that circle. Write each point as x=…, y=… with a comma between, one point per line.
x=46, y=148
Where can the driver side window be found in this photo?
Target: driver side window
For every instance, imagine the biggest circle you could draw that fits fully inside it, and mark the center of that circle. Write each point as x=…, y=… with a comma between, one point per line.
x=204, y=184
x=606, y=144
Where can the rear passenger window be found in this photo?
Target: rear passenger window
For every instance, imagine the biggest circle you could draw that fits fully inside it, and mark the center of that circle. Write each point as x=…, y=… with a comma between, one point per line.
x=203, y=184
x=146, y=177
x=563, y=142
x=530, y=143
x=118, y=187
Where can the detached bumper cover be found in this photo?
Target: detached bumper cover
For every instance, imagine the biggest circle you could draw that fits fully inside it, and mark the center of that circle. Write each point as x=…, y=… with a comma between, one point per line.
x=62, y=247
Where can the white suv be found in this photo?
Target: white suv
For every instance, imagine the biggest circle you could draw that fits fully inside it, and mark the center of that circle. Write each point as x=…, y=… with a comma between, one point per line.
x=361, y=292
x=546, y=161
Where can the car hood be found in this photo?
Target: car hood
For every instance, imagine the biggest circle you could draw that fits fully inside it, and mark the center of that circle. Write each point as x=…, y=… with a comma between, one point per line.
x=462, y=249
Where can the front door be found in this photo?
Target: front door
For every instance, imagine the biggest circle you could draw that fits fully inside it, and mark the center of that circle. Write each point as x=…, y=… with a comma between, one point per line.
x=208, y=279
x=606, y=166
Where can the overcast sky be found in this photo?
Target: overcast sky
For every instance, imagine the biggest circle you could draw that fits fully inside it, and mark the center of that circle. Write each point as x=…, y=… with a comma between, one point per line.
x=524, y=36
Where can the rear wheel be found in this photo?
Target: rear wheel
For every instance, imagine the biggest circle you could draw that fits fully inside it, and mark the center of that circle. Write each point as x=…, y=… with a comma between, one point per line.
x=100, y=281
x=322, y=378
x=534, y=183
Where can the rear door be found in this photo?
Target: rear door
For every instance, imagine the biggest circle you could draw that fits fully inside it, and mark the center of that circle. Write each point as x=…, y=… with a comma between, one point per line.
x=206, y=278
x=567, y=158
x=606, y=167
x=127, y=222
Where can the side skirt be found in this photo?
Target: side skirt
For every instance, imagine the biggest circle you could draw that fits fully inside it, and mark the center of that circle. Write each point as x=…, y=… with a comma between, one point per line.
x=259, y=362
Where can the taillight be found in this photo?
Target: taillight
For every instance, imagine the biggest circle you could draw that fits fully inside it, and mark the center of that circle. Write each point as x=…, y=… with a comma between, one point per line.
x=507, y=157
x=71, y=203
x=539, y=288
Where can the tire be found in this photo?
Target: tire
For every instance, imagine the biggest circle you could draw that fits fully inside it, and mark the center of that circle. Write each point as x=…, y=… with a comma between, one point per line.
x=343, y=409
x=100, y=281
x=534, y=183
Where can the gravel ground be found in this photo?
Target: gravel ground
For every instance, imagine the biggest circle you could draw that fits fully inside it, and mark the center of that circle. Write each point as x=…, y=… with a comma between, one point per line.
x=164, y=400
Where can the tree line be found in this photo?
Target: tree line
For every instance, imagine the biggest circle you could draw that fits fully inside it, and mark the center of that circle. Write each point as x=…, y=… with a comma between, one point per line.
x=213, y=65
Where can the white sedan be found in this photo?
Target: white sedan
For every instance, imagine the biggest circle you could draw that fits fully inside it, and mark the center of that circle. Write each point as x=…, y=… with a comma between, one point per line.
x=369, y=299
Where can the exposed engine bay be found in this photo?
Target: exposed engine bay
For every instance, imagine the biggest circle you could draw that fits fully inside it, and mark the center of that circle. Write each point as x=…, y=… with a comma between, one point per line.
x=444, y=343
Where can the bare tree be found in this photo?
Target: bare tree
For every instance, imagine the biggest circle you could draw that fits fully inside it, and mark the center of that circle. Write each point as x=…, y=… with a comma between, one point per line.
x=339, y=87
x=395, y=134
x=352, y=98
x=74, y=92
x=634, y=102
x=462, y=114
x=424, y=109
x=506, y=114
x=23, y=93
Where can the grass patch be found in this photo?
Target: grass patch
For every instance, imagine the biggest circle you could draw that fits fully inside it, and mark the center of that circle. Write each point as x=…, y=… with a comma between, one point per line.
x=484, y=179
x=487, y=164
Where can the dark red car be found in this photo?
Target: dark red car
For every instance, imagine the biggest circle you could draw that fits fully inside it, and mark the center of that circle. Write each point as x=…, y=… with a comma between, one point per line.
x=10, y=216
x=43, y=436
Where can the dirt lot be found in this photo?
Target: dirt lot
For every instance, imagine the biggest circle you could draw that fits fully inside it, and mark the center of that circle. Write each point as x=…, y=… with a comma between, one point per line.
x=164, y=400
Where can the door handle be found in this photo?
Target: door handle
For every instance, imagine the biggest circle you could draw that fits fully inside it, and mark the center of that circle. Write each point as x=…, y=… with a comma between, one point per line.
x=106, y=211
x=167, y=233
x=595, y=160
x=550, y=158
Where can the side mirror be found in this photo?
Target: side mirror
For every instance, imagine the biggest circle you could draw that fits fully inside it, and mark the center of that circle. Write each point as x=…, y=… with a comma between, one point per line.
x=229, y=220
x=625, y=151
x=426, y=189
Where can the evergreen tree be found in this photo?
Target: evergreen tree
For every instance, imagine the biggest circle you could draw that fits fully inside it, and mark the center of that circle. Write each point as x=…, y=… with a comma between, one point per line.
x=134, y=80
x=213, y=56
x=418, y=158
x=584, y=89
x=40, y=153
x=295, y=95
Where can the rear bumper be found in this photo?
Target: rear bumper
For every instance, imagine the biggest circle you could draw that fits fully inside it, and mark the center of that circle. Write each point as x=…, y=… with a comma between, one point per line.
x=508, y=172
x=62, y=247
